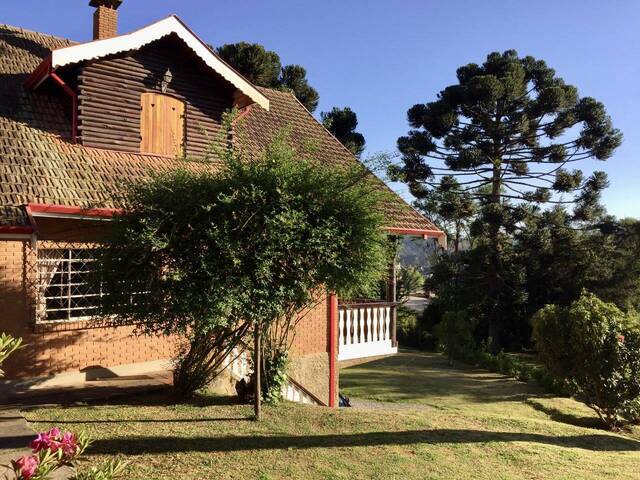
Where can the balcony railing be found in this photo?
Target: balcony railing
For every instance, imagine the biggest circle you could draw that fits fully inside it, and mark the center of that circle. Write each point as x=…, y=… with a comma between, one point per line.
x=366, y=329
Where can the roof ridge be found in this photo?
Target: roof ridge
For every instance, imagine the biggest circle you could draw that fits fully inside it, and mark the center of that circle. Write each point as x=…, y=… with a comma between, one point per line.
x=26, y=30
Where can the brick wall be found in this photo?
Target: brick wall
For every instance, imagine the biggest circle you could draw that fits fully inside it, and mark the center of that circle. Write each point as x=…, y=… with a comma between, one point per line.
x=61, y=347
x=74, y=346
x=311, y=335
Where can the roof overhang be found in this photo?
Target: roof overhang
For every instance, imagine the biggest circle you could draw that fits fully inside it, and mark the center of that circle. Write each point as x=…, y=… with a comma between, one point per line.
x=132, y=41
x=415, y=232
x=75, y=213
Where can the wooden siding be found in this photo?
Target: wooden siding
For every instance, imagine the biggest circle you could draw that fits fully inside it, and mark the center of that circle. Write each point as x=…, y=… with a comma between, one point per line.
x=110, y=93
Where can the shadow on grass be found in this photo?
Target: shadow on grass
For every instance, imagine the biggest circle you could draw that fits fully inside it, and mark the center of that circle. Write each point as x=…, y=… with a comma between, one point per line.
x=563, y=417
x=146, y=420
x=170, y=444
x=163, y=397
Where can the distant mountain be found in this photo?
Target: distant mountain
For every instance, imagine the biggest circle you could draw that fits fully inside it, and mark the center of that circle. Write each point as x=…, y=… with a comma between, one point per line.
x=416, y=252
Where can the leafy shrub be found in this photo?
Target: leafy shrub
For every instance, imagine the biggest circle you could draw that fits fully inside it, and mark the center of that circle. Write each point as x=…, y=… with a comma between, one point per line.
x=595, y=348
x=410, y=280
x=413, y=331
x=407, y=327
x=455, y=333
x=8, y=345
x=275, y=376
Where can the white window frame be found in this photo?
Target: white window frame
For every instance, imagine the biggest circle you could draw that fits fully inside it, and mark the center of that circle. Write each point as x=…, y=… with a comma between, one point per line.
x=59, y=261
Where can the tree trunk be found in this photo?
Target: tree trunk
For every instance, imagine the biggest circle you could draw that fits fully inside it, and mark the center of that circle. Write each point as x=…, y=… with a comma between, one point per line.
x=257, y=366
x=494, y=264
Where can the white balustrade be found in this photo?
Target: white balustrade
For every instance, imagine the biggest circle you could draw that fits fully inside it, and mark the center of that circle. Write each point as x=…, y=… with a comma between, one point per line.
x=364, y=330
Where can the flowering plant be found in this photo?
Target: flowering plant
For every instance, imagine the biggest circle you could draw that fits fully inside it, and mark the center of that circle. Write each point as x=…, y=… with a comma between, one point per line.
x=8, y=345
x=54, y=449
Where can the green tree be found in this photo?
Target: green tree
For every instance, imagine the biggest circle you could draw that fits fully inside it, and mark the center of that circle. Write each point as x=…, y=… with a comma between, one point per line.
x=451, y=209
x=342, y=123
x=410, y=280
x=507, y=130
x=263, y=67
x=213, y=256
x=294, y=78
x=257, y=64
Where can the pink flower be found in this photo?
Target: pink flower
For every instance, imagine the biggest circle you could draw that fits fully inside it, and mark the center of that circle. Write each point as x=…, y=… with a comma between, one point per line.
x=621, y=338
x=69, y=444
x=26, y=466
x=41, y=442
x=47, y=441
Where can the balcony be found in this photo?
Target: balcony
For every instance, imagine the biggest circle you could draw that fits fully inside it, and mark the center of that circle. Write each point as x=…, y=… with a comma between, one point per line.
x=366, y=328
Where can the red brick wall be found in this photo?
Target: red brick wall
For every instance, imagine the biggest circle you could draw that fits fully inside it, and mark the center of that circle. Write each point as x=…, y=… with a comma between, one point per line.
x=311, y=335
x=61, y=347
x=73, y=346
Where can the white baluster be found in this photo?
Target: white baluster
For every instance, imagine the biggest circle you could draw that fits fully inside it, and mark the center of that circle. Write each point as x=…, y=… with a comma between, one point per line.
x=387, y=320
x=369, y=322
x=348, y=325
x=375, y=325
x=361, y=325
x=341, y=328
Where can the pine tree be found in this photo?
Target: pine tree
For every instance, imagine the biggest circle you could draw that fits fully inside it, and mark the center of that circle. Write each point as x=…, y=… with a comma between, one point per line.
x=342, y=123
x=507, y=131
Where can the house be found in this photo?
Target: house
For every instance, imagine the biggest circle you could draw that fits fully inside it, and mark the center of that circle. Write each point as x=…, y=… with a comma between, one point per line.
x=78, y=119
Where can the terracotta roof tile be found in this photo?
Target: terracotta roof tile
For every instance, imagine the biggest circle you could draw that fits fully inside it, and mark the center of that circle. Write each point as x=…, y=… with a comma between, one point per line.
x=38, y=163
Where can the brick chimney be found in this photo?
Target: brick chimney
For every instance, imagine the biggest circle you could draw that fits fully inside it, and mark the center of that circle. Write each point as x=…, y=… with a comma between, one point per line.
x=105, y=18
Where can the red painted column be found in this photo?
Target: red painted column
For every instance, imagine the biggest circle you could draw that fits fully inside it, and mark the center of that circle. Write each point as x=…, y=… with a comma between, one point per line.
x=333, y=350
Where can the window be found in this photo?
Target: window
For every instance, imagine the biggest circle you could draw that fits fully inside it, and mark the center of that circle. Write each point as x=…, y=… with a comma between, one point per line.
x=161, y=124
x=64, y=289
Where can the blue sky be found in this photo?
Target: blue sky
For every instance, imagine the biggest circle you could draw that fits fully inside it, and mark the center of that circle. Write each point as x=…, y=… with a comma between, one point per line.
x=381, y=57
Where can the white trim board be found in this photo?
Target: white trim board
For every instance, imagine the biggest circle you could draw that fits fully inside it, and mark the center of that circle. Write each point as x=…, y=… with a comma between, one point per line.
x=155, y=31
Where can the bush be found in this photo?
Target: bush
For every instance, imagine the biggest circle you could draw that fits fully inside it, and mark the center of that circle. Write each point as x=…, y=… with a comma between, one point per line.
x=413, y=331
x=595, y=348
x=410, y=280
x=455, y=333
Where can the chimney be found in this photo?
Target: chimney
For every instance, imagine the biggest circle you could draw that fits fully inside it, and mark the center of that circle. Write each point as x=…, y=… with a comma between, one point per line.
x=105, y=18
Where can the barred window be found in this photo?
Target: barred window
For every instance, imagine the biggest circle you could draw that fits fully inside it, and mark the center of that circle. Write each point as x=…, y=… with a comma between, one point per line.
x=64, y=288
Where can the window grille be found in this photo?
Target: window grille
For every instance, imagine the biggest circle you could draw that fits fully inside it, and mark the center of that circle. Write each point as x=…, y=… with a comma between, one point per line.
x=65, y=291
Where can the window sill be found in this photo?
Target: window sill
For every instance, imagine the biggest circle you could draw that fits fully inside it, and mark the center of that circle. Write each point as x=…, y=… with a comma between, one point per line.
x=67, y=325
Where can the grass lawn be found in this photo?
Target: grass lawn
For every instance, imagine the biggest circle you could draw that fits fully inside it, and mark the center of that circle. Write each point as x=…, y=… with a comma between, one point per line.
x=436, y=422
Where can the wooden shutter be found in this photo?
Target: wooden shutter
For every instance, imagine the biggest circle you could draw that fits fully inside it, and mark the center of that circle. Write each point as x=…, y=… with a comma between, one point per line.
x=161, y=124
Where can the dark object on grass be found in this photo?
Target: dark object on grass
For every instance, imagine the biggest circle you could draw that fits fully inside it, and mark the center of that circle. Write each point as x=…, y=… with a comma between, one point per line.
x=344, y=401
x=244, y=390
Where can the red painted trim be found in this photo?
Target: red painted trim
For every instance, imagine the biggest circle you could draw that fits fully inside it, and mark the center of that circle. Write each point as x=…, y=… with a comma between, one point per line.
x=415, y=231
x=333, y=354
x=15, y=230
x=36, y=208
x=39, y=75
x=74, y=104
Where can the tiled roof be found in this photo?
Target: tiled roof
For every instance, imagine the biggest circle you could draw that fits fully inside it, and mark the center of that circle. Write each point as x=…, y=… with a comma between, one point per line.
x=38, y=163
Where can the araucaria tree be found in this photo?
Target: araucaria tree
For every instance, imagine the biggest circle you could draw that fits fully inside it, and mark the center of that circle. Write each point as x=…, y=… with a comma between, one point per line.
x=213, y=256
x=342, y=123
x=508, y=132
x=263, y=67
